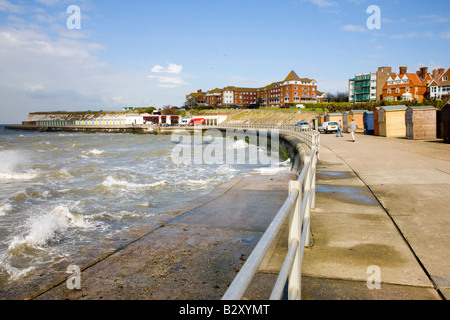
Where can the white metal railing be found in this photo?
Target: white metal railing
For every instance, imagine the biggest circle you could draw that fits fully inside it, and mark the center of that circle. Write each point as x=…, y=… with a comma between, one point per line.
x=297, y=208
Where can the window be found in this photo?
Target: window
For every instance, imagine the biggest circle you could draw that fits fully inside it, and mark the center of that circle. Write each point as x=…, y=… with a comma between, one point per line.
x=445, y=78
x=397, y=90
x=408, y=89
x=389, y=91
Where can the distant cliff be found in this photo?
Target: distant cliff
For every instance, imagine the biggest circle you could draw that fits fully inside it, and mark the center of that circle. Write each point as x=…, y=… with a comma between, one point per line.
x=82, y=115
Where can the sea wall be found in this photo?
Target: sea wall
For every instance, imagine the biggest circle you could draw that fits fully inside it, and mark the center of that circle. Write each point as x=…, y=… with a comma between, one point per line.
x=295, y=151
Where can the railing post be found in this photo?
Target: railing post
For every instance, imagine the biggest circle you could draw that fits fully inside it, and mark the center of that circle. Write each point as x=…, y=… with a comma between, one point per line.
x=295, y=230
x=307, y=213
x=313, y=182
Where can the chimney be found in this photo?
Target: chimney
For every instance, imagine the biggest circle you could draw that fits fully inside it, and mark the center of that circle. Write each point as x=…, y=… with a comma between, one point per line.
x=403, y=70
x=423, y=72
x=435, y=74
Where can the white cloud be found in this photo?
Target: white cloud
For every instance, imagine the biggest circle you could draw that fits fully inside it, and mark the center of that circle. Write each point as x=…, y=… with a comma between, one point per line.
x=172, y=68
x=49, y=2
x=167, y=81
x=44, y=74
x=7, y=6
x=445, y=35
x=353, y=28
x=414, y=35
x=433, y=18
x=323, y=3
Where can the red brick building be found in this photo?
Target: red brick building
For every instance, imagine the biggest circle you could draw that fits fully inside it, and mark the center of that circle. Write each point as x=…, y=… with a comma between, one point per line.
x=293, y=90
x=407, y=86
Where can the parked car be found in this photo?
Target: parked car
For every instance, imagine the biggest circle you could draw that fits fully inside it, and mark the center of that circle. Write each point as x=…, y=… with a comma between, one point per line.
x=303, y=125
x=185, y=122
x=327, y=127
x=300, y=106
x=253, y=106
x=285, y=106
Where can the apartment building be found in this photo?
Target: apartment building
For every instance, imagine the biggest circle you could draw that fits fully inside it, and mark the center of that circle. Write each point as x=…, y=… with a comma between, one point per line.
x=214, y=97
x=291, y=90
x=407, y=86
x=368, y=86
x=439, y=87
x=196, y=99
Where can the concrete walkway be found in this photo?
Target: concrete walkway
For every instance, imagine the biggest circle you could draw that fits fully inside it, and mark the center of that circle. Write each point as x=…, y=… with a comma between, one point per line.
x=381, y=202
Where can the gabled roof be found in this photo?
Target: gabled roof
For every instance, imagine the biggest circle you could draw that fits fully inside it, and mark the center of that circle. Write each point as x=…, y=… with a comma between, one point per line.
x=441, y=82
x=435, y=82
x=416, y=80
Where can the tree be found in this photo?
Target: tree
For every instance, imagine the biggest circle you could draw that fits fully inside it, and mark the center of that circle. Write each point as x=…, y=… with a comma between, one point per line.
x=170, y=111
x=260, y=101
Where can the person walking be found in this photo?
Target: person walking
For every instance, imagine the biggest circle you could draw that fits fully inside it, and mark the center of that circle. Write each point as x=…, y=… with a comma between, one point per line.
x=339, y=132
x=353, y=127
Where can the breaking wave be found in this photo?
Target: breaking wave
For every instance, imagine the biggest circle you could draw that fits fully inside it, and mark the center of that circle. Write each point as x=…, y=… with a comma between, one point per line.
x=112, y=182
x=10, y=162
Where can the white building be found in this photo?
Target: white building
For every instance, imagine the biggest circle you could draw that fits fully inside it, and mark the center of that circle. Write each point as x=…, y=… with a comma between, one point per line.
x=440, y=87
x=228, y=96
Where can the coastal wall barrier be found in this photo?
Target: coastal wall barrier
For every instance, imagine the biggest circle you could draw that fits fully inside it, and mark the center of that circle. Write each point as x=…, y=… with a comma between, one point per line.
x=296, y=209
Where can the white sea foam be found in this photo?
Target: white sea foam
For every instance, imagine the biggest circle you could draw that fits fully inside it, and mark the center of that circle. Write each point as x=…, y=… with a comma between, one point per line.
x=10, y=161
x=197, y=182
x=4, y=209
x=43, y=228
x=14, y=273
x=278, y=167
x=96, y=152
x=112, y=182
x=240, y=144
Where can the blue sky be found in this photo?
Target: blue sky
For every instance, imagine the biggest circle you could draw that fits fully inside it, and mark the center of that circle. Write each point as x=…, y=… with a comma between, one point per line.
x=133, y=53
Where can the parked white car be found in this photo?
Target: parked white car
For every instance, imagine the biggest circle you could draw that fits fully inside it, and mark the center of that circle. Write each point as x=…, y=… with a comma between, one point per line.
x=185, y=122
x=327, y=127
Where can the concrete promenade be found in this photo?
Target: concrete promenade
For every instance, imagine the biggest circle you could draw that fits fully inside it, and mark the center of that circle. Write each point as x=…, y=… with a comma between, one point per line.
x=381, y=202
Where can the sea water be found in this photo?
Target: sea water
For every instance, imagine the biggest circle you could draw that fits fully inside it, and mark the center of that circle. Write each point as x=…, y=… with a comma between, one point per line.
x=60, y=192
